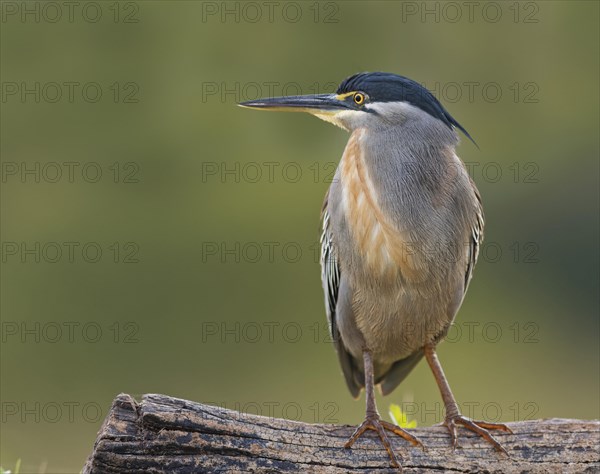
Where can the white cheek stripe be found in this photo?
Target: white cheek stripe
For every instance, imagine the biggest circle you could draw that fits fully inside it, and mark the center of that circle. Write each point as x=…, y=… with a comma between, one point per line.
x=331, y=118
x=346, y=119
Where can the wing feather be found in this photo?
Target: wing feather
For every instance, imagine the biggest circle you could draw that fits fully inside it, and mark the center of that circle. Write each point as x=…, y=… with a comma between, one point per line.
x=476, y=238
x=330, y=273
x=331, y=279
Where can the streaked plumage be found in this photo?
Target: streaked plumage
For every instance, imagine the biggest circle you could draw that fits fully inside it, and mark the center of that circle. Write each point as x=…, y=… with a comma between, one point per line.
x=399, y=263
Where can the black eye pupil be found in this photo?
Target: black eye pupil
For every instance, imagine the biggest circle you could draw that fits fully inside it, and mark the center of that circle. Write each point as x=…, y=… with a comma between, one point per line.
x=358, y=99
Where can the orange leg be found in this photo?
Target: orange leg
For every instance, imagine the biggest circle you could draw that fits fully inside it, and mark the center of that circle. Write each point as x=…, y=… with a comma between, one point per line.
x=453, y=416
x=374, y=422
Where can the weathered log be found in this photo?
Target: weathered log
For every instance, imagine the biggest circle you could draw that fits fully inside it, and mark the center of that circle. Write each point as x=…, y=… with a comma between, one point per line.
x=162, y=434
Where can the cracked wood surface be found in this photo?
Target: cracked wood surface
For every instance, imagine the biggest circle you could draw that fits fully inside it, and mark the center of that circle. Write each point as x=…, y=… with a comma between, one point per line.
x=162, y=434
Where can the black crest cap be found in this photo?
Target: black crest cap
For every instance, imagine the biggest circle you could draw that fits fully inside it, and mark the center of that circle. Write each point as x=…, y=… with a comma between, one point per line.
x=388, y=87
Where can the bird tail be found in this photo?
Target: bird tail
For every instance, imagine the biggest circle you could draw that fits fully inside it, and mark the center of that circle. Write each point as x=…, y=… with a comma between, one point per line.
x=398, y=372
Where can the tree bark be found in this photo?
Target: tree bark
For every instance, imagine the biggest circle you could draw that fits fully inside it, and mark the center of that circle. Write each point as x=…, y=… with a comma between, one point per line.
x=162, y=434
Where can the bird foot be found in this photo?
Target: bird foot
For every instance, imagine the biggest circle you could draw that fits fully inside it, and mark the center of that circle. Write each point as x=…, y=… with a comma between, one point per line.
x=375, y=423
x=479, y=427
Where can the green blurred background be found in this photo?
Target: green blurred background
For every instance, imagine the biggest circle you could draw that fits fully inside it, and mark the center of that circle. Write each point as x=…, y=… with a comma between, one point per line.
x=178, y=319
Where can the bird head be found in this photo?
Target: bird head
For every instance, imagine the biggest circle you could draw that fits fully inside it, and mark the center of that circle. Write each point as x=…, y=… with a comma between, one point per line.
x=365, y=100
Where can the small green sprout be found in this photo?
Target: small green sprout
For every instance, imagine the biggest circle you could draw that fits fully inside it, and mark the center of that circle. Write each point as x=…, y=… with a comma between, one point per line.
x=17, y=468
x=399, y=417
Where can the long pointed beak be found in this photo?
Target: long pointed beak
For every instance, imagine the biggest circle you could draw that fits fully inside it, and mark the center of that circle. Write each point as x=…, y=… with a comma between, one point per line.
x=319, y=103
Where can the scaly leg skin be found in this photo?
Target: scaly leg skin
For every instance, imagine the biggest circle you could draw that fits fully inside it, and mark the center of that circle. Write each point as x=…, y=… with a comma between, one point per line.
x=374, y=422
x=453, y=416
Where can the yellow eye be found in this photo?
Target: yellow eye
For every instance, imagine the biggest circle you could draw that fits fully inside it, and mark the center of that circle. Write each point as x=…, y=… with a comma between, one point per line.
x=359, y=98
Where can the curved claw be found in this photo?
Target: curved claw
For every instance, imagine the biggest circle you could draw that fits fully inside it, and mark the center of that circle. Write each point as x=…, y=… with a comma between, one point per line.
x=451, y=425
x=479, y=427
x=379, y=426
x=493, y=426
x=403, y=434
